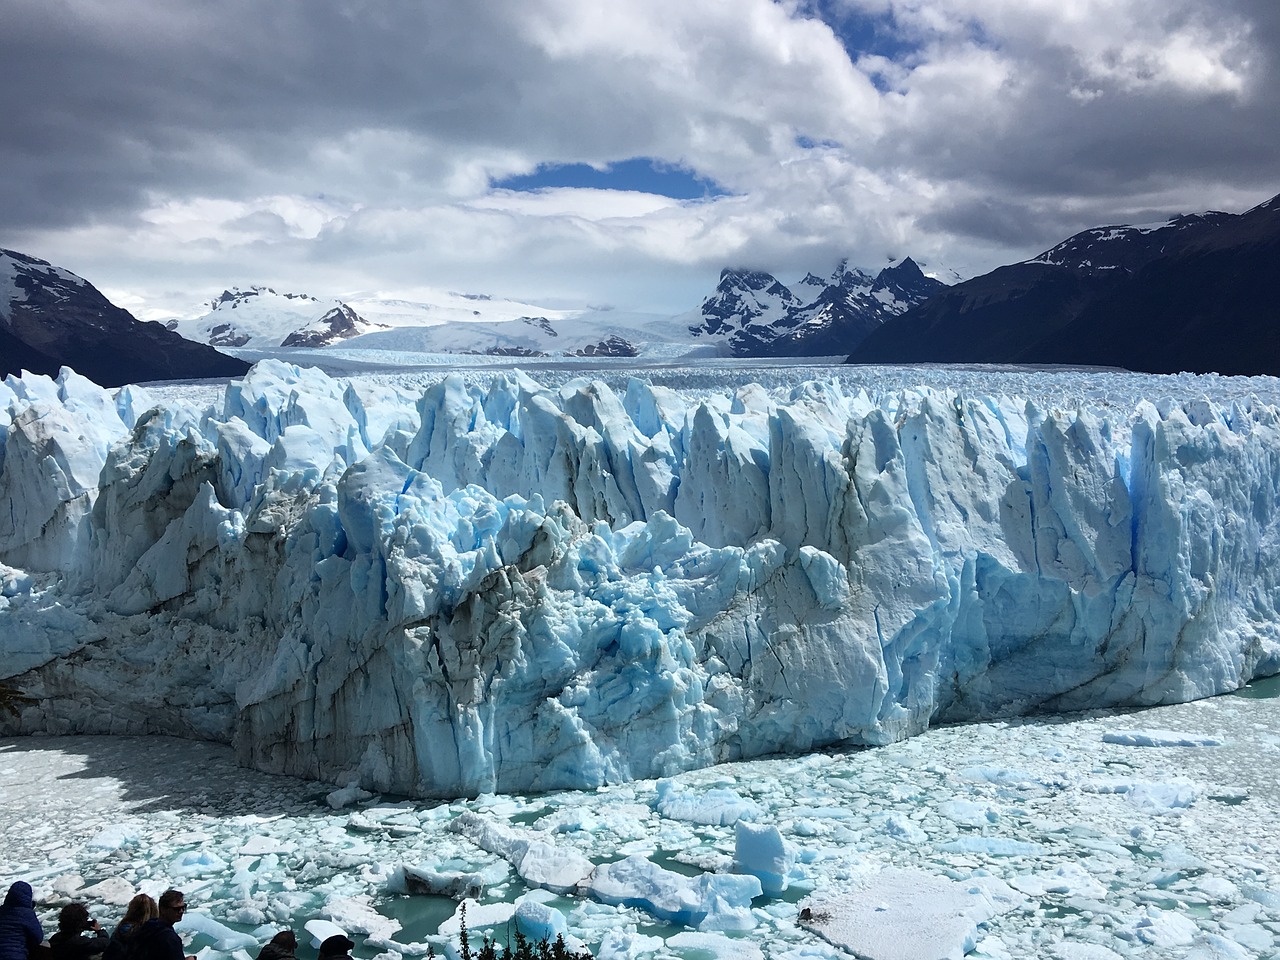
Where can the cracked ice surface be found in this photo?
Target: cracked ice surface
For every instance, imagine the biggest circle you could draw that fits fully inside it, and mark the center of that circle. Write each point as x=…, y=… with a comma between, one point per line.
x=444, y=586
x=1024, y=841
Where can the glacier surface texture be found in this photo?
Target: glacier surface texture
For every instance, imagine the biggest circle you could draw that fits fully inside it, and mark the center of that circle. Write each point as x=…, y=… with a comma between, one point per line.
x=500, y=586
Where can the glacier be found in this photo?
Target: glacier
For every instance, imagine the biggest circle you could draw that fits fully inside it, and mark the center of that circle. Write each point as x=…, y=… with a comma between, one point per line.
x=489, y=584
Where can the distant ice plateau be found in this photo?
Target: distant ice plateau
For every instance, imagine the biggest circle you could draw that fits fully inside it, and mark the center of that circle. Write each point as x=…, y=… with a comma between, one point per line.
x=452, y=585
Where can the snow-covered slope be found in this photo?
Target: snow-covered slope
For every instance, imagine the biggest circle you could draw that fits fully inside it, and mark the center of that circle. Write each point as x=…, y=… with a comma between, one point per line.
x=260, y=317
x=479, y=586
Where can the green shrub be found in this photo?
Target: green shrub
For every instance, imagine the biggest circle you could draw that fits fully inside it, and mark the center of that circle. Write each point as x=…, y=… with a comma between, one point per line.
x=524, y=949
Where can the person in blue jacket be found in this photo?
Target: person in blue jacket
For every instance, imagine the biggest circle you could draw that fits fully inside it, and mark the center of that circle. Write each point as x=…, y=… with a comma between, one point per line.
x=20, y=930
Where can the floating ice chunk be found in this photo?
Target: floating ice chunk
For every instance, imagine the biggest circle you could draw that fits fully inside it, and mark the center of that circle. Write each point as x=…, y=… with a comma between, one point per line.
x=356, y=914
x=421, y=879
x=628, y=945
x=478, y=916
x=538, y=921
x=715, y=945
x=1165, y=928
x=718, y=806
x=113, y=890
x=1212, y=947
x=902, y=915
x=1217, y=888
x=968, y=813
x=197, y=863
x=322, y=930
x=223, y=937
x=1069, y=879
x=1083, y=951
x=1001, y=777
x=538, y=861
x=761, y=852
x=1268, y=898
x=1159, y=799
x=710, y=901
x=114, y=837
x=258, y=845
x=345, y=796
x=993, y=846
x=1159, y=738
x=902, y=828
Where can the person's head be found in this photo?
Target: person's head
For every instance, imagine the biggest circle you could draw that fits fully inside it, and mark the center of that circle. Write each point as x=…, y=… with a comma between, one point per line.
x=172, y=905
x=336, y=946
x=74, y=918
x=19, y=894
x=286, y=939
x=141, y=909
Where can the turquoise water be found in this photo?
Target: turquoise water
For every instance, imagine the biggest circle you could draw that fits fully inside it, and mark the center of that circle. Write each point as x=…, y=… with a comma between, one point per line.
x=419, y=916
x=1268, y=688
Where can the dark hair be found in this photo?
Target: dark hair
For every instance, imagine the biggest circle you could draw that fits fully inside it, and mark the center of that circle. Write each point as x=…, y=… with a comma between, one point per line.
x=171, y=898
x=336, y=946
x=73, y=918
x=285, y=938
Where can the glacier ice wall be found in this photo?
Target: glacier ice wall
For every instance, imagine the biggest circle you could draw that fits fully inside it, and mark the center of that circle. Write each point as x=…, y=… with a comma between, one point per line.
x=515, y=588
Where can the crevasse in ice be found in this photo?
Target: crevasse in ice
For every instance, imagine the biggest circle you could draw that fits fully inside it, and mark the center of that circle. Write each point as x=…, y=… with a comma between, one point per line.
x=508, y=587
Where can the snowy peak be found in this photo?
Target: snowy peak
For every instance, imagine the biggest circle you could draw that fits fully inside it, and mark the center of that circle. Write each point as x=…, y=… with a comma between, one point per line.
x=339, y=323
x=261, y=317
x=757, y=315
x=24, y=278
x=743, y=298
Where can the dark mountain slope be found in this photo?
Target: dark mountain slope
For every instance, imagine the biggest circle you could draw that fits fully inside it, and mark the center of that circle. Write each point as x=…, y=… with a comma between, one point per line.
x=1197, y=294
x=50, y=318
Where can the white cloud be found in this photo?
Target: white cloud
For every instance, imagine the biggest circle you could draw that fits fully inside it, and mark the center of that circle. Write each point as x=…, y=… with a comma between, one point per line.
x=338, y=146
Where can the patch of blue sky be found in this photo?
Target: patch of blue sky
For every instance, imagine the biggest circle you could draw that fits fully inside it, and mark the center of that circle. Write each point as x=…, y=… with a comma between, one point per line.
x=861, y=32
x=640, y=174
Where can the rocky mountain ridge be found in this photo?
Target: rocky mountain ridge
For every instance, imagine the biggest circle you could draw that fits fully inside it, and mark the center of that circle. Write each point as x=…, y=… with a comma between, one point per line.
x=51, y=318
x=1195, y=293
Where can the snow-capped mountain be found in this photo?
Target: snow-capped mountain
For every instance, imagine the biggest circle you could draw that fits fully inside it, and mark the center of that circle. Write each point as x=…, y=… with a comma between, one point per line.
x=757, y=315
x=750, y=314
x=259, y=316
x=50, y=318
x=1195, y=293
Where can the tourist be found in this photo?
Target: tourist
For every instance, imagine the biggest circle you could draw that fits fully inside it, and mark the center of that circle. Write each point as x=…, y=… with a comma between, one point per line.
x=70, y=942
x=141, y=909
x=157, y=940
x=283, y=946
x=336, y=947
x=20, y=930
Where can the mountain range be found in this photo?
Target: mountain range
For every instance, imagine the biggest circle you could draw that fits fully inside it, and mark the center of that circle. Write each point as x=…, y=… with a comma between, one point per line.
x=1195, y=293
x=50, y=318
x=750, y=314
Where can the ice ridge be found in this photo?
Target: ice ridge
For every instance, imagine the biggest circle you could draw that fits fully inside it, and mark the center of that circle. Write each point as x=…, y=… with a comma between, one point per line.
x=515, y=588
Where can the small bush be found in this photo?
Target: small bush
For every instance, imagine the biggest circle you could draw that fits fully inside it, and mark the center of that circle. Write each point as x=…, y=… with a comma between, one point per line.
x=524, y=949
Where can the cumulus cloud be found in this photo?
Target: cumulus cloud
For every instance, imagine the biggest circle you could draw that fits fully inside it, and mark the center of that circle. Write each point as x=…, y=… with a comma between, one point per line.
x=167, y=150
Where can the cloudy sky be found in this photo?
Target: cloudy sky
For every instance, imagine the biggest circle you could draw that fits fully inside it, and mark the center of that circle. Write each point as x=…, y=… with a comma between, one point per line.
x=609, y=151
